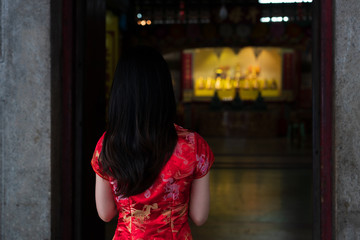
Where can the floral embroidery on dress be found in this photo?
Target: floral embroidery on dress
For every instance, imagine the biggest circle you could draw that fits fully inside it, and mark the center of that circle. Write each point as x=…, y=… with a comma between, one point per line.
x=190, y=138
x=113, y=184
x=147, y=193
x=171, y=191
x=202, y=165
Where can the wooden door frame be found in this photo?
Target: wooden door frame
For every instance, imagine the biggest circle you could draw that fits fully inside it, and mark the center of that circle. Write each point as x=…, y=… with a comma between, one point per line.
x=326, y=118
x=323, y=120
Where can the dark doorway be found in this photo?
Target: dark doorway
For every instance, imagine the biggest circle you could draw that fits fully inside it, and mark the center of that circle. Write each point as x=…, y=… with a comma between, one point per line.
x=84, y=109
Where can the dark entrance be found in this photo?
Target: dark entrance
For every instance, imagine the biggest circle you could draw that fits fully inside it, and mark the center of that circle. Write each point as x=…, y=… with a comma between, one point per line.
x=84, y=110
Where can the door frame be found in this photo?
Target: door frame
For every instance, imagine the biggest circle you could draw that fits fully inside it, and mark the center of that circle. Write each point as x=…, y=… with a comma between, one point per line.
x=323, y=220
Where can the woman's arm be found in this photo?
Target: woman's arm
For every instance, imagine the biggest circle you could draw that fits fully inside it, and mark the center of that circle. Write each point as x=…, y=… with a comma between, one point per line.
x=105, y=204
x=200, y=200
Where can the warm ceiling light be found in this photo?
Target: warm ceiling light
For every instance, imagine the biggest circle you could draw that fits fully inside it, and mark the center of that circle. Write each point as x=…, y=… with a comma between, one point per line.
x=274, y=19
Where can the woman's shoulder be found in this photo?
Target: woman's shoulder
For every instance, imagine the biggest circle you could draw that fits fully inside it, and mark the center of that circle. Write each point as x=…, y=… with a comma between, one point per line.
x=185, y=135
x=95, y=161
x=195, y=150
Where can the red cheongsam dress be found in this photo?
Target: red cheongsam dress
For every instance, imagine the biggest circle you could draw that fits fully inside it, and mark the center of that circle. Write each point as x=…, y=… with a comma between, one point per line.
x=161, y=212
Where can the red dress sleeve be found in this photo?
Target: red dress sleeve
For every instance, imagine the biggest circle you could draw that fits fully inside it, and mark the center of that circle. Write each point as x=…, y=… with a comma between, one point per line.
x=95, y=160
x=204, y=157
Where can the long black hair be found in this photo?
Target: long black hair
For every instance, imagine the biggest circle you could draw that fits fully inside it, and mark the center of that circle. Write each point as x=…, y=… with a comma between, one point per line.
x=141, y=136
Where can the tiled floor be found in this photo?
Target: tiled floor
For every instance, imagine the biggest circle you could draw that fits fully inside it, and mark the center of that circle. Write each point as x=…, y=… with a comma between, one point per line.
x=257, y=204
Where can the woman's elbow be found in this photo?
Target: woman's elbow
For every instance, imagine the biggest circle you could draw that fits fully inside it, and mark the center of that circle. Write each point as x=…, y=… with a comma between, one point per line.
x=199, y=220
x=107, y=214
x=106, y=217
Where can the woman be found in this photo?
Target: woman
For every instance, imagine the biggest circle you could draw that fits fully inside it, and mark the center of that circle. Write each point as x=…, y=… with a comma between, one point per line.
x=150, y=172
